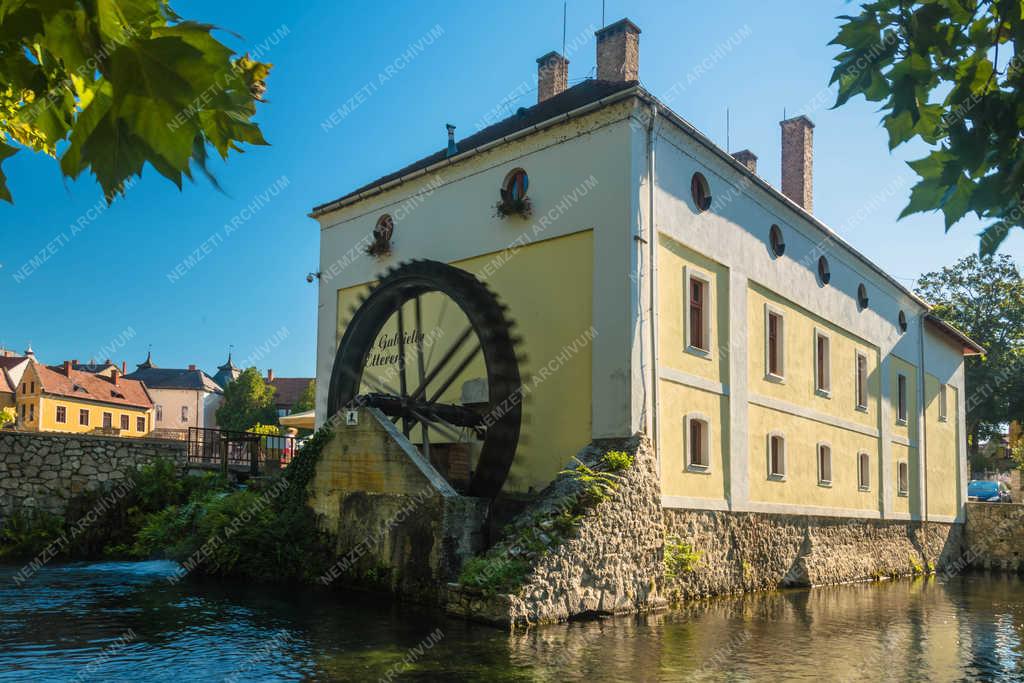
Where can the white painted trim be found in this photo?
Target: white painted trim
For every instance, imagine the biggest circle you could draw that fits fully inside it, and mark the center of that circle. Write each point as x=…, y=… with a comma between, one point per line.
x=688, y=502
x=689, y=272
x=860, y=486
x=770, y=309
x=825, y=391
x=773, y=476
x=943, y=399
x=809, y=510
x=690, y=466
x=817, y=461
x=901, y=407
x=736, y=463
x=903, y=441
x=901, y=516
x=857, y=355
x=694, y=381
x=949, y=519
x=902, y=493
x=811, y=414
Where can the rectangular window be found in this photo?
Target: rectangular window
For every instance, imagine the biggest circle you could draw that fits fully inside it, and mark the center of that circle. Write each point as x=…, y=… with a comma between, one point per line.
x=24, y=388
x=903, y=479
x=83, y=417
x=159, y=413
x=822, y=363
x=697, y=443
x=108, y=420
x=32, y=387
x=776, y=456
x=698, y=290
x=863, y=471
x=824, y=464
x=22, y=411
x=775, y=342
x=184, y=413
x=140, y=424
x=62, y=415
x=862, y=381
x=943, y=415
x=901, y=398
x=31, y=412
x=125, y=422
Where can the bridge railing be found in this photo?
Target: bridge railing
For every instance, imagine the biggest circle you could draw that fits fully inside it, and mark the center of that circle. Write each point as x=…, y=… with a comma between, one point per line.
x=235, y=451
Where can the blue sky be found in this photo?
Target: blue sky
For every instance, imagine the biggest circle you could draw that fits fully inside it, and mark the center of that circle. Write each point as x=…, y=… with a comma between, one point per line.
x=109, y=288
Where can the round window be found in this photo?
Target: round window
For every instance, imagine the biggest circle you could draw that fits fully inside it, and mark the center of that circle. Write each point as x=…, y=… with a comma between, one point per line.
x=903, y=321
x=701, y=192
x=516, y=185
x=824, y=274
x=862, y=296
x=775, y=238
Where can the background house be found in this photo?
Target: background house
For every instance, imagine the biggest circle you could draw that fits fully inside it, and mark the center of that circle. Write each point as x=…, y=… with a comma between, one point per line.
x=72, y=400
x=288, y=392
x=182, y=398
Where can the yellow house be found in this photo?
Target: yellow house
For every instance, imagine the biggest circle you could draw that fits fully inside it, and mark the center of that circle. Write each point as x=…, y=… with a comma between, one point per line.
x=70, y=400
x=661, y=285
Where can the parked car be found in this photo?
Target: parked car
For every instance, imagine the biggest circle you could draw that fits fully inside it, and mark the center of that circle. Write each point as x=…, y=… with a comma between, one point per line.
x=989, y=491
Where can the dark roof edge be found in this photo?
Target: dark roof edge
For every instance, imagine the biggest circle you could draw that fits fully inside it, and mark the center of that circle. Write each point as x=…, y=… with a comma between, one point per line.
x=943, y=326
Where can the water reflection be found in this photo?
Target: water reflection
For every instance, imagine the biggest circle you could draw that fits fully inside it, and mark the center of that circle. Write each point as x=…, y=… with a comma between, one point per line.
x=69, y=619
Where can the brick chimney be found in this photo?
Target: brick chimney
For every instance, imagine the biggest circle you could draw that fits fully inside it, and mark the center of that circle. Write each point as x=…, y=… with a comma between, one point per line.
x=114, y=375
x=124, y=367
x=798, y=160
x=192, y=366
x=618, y=51
x=270, y=375
x=552, y=75
x=74, y=364
x=747, y=158
x=67, y=368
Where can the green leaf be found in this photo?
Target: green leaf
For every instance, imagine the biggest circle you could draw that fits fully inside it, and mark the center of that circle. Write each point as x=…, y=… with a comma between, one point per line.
x=992, y=237
x=925, y=196
x=5, y=152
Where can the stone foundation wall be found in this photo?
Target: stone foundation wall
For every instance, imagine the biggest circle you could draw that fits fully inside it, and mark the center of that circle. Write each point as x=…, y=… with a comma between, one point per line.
x=993, y=538
x=746, y=551
x=40, y=471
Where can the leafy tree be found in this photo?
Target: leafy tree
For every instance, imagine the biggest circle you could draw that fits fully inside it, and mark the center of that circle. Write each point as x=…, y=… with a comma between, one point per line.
x=307, y=401
x=7, y=415
x=248, y=401
x=984, y=297
x=950, y=73
x=110, y=85
x=266, y=430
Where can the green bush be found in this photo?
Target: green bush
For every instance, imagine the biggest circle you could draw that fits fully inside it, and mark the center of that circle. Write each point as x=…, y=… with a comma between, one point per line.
x=494, y=573
x=618, y=461
x=680, y=558
x=25, y=535
x=597, y=486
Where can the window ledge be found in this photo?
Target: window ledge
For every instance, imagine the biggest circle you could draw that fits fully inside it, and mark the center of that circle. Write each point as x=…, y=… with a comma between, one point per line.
x=776, y=477
x=903, y=494
x=700, y=353
x=777, y=379
x=824, y=393
x=864, y=488
x=861, y=409
x=901, y=421
x=825, y=484
x=943, y=418
x=698, y=469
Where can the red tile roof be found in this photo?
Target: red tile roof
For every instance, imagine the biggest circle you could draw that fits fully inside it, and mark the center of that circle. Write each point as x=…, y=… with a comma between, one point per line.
x=5, y=382
x=289, y=390
x=88, y=386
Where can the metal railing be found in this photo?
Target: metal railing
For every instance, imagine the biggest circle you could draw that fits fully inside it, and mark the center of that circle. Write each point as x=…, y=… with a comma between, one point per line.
x=227, y=450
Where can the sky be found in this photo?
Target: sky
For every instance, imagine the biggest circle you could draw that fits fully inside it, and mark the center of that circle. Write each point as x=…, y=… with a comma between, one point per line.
x=119, y=283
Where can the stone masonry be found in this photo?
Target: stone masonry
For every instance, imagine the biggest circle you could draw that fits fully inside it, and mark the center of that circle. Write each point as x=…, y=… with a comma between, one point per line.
x=993, y=538
x=40, y=471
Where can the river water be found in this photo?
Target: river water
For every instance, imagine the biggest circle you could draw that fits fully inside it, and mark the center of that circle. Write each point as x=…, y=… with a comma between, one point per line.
x=129, y=622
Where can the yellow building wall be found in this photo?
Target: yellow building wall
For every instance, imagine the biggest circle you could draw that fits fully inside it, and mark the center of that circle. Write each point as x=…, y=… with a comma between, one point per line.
x=800, y=486
x=943, y=459
x=675, y=261
x=557, y=344
x=47, y=417
x=675, y=403
x=798, y=383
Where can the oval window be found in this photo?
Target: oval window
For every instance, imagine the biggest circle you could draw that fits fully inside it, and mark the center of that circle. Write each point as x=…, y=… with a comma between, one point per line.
x=824, y=274
x=862, y=296
x=384, y=229
x=775, y=238
x=701, y=192
x=517, y=183
x=903, y=321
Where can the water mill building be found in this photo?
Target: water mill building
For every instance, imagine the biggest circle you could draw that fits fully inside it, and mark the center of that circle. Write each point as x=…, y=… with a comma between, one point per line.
x=658, y=285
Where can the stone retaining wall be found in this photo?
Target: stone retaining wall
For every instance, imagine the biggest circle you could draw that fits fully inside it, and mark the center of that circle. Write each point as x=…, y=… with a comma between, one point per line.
x=42, y=471
x=992, y=535
x=615, y=561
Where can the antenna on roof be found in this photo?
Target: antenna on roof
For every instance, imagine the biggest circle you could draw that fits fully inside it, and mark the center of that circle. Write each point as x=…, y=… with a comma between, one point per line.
x=602, y=13
x=565, y=15
x=728, y=146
